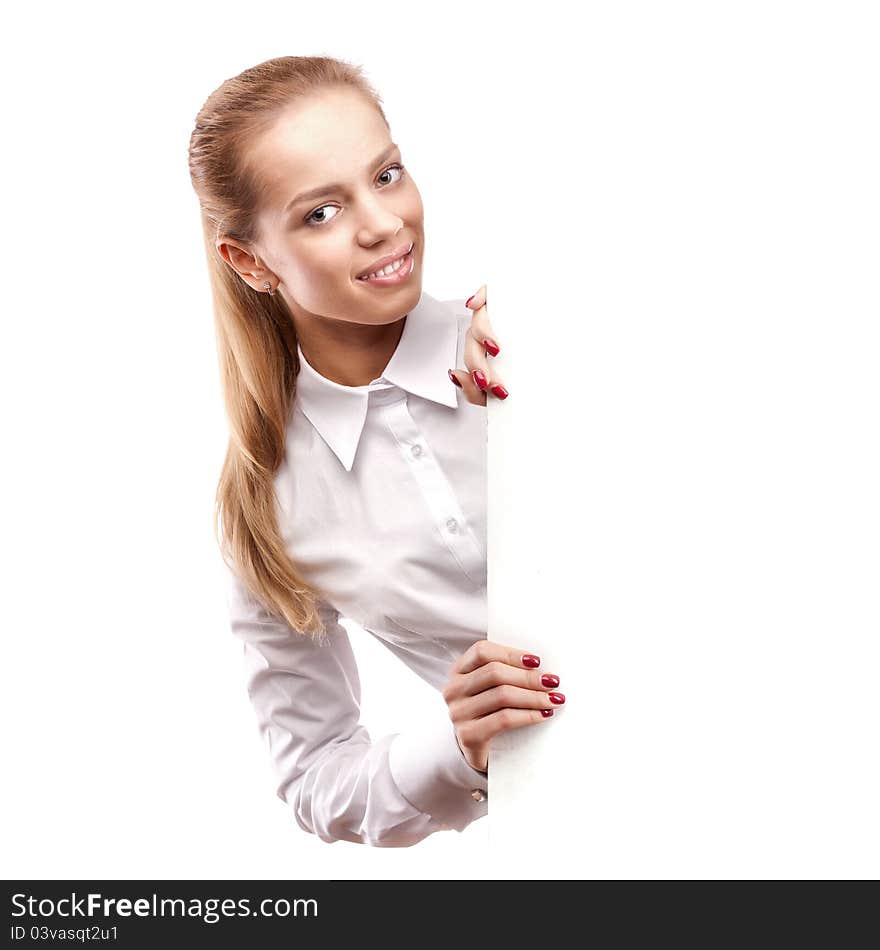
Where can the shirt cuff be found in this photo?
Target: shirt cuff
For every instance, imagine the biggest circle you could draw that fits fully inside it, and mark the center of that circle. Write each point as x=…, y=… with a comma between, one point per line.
x=432, y=773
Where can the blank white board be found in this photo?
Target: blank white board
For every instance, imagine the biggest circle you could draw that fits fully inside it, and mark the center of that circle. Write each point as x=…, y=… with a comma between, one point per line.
x=683, y=482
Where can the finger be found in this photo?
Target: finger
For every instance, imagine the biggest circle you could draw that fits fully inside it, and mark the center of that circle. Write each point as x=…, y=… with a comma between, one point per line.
x=478, y=366
x=471, y=390
x=483, y=332
x=498, y=673
x=502, y=697
x=477, y=300
x=479, y=731
x=475, y=357
x=482, y=652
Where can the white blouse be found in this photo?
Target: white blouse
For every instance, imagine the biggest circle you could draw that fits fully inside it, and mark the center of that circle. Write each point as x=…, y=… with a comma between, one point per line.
x=381, y=502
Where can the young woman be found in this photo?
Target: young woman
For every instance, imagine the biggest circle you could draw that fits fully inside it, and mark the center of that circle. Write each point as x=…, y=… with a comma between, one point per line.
x=355, y=479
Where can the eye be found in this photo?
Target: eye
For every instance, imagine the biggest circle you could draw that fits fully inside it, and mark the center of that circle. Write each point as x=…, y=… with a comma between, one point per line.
x=392, y=168
x=310, y=219
x=313, y=221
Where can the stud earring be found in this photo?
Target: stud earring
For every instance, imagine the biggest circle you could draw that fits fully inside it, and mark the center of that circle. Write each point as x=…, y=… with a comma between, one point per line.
x=268, y=286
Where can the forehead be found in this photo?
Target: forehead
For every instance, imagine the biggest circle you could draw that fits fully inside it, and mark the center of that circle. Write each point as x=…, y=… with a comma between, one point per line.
x=330, y=136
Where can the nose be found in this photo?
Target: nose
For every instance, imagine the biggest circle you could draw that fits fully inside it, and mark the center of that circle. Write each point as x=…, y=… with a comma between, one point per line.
x=380, y=222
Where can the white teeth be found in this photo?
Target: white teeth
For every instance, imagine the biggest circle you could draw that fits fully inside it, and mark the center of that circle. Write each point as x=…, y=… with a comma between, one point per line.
x=388, y=269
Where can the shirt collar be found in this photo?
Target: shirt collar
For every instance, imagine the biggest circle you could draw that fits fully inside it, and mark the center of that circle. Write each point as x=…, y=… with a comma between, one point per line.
x=427, y=348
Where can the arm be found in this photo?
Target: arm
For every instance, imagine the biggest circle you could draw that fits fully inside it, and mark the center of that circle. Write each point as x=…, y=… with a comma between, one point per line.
x=339, y=783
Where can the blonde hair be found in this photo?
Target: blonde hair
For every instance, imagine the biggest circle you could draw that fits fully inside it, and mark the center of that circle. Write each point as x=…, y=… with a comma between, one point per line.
x=256, y=340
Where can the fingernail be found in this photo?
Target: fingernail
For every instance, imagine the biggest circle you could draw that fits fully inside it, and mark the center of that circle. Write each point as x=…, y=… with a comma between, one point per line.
x=467, y=302
x=557, y=698
x=492, y=346
x=500, y=391
x=546, y=713
x=480, y=379
x=549, y=679
x=530, y=660
x=454, y=378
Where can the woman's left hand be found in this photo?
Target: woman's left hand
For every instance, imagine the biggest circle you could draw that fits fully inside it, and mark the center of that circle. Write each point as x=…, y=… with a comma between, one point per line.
x=478, y=379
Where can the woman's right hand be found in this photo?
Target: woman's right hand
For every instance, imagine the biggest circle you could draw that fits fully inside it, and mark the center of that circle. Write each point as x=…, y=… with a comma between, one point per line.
x=492, y=688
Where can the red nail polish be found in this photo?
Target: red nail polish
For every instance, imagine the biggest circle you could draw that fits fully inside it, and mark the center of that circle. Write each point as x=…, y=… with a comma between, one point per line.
x=530, y=660
x=500, y=391
x=546, y=713
x=492, y=346
x=480, y=379
x=454, y=378
x=467, y=302
x=548, y=679
x=557, y=698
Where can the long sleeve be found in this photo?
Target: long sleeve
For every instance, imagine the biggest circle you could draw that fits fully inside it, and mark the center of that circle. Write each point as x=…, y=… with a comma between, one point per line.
x=340, y=784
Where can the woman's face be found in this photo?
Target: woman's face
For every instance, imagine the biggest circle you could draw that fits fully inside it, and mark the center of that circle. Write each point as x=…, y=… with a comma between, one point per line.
x=318, y=246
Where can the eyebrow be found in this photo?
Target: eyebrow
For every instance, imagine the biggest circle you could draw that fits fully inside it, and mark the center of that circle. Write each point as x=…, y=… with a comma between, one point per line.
x=327, y=189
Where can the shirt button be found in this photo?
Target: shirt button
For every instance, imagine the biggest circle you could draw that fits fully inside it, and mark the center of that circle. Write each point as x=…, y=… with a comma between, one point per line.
x=416, y=450
x=452, y=525
x=478, y=795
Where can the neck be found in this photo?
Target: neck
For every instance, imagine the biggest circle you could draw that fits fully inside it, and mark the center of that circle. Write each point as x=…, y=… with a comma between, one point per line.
x=351, y=354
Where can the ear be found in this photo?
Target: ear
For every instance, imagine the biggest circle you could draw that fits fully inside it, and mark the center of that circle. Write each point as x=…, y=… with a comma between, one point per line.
x=242, y=260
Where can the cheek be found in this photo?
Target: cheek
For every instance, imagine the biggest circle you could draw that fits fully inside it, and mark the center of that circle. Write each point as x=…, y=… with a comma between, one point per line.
x=320, y=259
x=414, y=204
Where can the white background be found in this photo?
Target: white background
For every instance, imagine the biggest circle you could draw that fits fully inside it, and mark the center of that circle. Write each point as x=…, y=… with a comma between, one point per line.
x=677, y=215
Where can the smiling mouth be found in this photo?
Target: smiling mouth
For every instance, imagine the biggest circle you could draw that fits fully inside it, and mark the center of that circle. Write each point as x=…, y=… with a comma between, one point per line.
x=391, y=268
